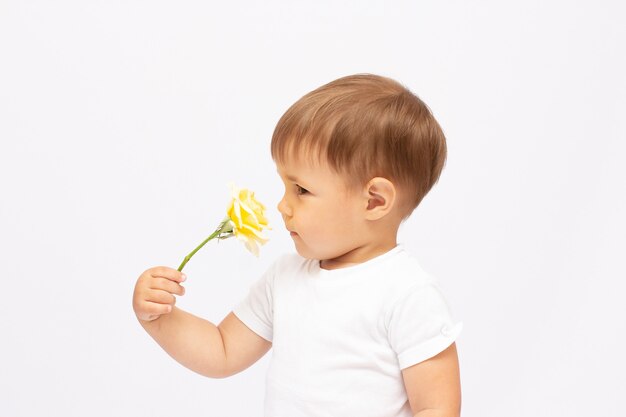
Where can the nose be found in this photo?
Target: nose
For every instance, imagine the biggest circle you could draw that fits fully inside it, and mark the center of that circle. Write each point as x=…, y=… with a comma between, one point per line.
x=283, y=207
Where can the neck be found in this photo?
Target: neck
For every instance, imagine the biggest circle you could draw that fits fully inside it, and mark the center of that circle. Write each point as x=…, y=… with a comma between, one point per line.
x=359, y=255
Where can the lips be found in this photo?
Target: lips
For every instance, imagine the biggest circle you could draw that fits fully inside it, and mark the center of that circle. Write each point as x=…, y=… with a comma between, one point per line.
x=291, y=232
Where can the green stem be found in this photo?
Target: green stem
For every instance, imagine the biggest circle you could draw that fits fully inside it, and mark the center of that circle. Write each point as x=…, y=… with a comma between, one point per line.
x=218, y=231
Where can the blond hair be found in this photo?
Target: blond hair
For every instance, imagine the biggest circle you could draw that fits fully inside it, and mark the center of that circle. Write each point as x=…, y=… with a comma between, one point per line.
x=366, y=126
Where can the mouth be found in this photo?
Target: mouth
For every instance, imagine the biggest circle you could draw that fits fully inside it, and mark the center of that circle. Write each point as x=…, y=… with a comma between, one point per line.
x=293, y=234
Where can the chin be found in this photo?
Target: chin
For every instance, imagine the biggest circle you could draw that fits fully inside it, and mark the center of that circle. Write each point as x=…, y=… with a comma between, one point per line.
x=305, y=252
x=309, y=254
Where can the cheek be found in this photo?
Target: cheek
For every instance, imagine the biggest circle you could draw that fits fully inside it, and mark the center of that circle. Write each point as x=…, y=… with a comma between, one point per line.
x=339, y=217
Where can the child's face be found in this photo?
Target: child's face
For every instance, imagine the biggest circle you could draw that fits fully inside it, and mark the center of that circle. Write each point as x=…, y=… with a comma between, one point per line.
x=324, y=218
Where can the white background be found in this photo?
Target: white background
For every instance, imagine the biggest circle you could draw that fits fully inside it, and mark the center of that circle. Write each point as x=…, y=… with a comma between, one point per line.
x=121, y=123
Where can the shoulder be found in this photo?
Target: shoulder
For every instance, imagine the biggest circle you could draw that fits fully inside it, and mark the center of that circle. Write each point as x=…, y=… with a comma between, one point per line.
x=406, y=272
x=407, y=283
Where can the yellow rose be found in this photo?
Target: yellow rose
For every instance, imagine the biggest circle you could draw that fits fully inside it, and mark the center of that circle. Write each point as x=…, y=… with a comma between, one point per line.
x=247, y=217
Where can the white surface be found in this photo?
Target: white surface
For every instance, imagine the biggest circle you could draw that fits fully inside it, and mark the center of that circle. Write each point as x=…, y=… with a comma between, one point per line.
x=121, y=124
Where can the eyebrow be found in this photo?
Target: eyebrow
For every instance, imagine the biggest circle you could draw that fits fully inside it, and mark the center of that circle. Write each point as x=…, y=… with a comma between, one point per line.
x=289, y=177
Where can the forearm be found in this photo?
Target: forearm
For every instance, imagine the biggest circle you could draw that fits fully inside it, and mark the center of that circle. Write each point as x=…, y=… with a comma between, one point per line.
x=192, y=341
x=436, y=412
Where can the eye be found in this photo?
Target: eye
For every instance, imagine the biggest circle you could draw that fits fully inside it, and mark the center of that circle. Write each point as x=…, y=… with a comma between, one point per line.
x=301, y=190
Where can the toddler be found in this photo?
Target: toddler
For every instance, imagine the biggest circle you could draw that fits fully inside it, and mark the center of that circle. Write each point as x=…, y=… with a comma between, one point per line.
x=357, y=327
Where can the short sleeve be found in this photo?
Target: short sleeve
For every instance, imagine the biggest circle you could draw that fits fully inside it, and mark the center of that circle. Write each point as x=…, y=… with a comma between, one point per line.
x=256, y=310
x=420, y=325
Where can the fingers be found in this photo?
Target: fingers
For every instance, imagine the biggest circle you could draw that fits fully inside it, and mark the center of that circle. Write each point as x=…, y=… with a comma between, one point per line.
x=166, y=285
x=167, y=272
x=160, y=296
x=151, y=311
x=155, y=290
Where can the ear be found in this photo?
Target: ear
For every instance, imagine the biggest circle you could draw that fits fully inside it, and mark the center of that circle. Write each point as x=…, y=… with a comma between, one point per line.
x=381, y=198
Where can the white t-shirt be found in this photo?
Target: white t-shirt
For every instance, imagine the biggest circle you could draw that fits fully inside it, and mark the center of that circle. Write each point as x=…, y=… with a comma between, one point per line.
x=341, y=337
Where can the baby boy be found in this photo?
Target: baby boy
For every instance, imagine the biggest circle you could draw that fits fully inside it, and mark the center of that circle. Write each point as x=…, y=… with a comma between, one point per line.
x=356, y=326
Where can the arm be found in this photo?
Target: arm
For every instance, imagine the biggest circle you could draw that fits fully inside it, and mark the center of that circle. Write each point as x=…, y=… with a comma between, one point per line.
x=433, y=386
x=212, y=351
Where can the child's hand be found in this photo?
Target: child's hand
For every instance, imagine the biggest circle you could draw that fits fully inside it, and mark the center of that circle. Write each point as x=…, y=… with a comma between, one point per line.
x=154, y=292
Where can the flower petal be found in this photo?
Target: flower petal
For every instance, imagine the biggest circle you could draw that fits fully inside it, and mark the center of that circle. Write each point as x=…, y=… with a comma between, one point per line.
x=247, y=215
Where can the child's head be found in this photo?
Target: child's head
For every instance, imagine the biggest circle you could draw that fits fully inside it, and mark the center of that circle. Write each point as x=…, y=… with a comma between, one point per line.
x=365, y=126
